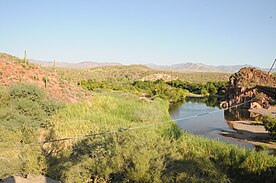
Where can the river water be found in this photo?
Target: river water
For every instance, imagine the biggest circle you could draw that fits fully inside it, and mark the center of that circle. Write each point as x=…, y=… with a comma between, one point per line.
x=208, y=125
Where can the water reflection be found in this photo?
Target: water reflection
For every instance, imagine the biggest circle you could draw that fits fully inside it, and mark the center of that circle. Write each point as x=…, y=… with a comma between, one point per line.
x=216, y=122
x=236, y=114
x=206, y=125
x=208, y=101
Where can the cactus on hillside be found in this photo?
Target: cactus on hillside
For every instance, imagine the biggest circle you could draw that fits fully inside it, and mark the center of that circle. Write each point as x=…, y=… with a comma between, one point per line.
x=25, y=57
x=45, y=79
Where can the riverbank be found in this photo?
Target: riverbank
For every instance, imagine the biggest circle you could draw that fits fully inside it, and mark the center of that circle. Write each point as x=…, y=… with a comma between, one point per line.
x=265, y=112
x=250, y=132
x=253, y=132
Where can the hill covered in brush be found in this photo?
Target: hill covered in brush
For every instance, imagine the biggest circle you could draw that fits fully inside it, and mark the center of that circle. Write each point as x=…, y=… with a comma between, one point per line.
x=14, y=70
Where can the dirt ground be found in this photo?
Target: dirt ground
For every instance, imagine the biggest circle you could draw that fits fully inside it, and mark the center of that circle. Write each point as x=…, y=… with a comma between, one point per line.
x=30, y=179
x=252, y=132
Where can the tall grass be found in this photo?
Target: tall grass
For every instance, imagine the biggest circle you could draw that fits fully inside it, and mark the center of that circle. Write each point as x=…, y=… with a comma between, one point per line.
x=106, y=113
x=155, y=154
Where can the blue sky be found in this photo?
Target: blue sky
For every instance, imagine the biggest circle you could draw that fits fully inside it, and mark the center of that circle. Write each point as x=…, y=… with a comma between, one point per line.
x=216, y=32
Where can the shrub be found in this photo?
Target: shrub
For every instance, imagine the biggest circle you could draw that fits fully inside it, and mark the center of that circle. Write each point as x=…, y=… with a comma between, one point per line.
x=270, y=125
x=24, y=111
x=28, y=91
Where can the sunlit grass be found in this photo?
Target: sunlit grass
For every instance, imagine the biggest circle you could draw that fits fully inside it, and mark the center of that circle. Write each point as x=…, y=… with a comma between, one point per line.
x=155, y=154
x=107, y=113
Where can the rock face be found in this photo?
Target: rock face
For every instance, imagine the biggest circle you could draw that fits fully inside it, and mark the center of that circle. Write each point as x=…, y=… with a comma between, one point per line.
x=250, y=77
x=244, y=87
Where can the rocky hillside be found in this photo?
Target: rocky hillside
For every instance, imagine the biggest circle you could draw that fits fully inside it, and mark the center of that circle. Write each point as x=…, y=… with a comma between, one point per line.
x=13, y=70
x=250, y=76
x=243, y=87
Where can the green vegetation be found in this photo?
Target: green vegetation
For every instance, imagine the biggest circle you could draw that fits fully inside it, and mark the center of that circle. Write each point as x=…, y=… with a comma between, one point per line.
x=173, y=91
x=158, y=88
x=159, y=153
x=24, y=113
x=45, y=80
x=108, y=112
x=209, y=88
x=25, y=57
x=270, y=125
x=154, y=154
x=150, y=152
x=134, y=73
x=105, y=73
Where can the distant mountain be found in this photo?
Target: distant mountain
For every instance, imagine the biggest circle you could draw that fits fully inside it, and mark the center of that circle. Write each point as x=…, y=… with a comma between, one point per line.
x=198, y=67
x=182, y=67
x=231, y=68
x=80, y=65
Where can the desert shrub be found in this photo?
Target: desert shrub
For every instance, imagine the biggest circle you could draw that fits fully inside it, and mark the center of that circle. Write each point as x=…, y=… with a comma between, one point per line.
x=151, y=88
x=4, y=96
x=27, y=91
x=270, y=125
x=24, y=112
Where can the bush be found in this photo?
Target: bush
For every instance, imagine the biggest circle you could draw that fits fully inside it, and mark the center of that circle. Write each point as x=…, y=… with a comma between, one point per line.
x=151, y=88
x=210, y=88
x=28, y=91
x=24, y=111
x=270, y=125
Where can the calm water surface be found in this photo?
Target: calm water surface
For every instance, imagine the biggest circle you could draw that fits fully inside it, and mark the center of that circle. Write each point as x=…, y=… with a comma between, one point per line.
x=209, y=125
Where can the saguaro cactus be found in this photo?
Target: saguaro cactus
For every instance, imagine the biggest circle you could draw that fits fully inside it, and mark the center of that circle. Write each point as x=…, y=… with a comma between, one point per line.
x=45, y=79
x=25, y=57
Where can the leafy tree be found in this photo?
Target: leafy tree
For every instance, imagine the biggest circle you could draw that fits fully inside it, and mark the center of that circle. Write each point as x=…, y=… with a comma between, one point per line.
x=211, y=88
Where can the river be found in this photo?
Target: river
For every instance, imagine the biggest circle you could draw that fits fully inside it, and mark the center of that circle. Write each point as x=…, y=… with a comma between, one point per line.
x=209, y=125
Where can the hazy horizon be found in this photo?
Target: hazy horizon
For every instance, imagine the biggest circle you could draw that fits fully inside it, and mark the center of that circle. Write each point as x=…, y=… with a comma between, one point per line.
x=141, y=32
x=146, y=64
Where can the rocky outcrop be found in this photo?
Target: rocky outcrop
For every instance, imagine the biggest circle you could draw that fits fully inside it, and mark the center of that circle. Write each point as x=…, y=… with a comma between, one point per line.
x=250, y=77
x=243, y=88
x=154, y=77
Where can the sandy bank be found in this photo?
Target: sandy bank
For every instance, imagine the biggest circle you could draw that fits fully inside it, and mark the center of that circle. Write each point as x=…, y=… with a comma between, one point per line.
x=250, y=132
x=265, y=112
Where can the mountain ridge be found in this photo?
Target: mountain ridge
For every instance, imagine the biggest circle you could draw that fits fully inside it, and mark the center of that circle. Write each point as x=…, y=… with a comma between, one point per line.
x=199, y=67
x=78, y=65
x=180, y=67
